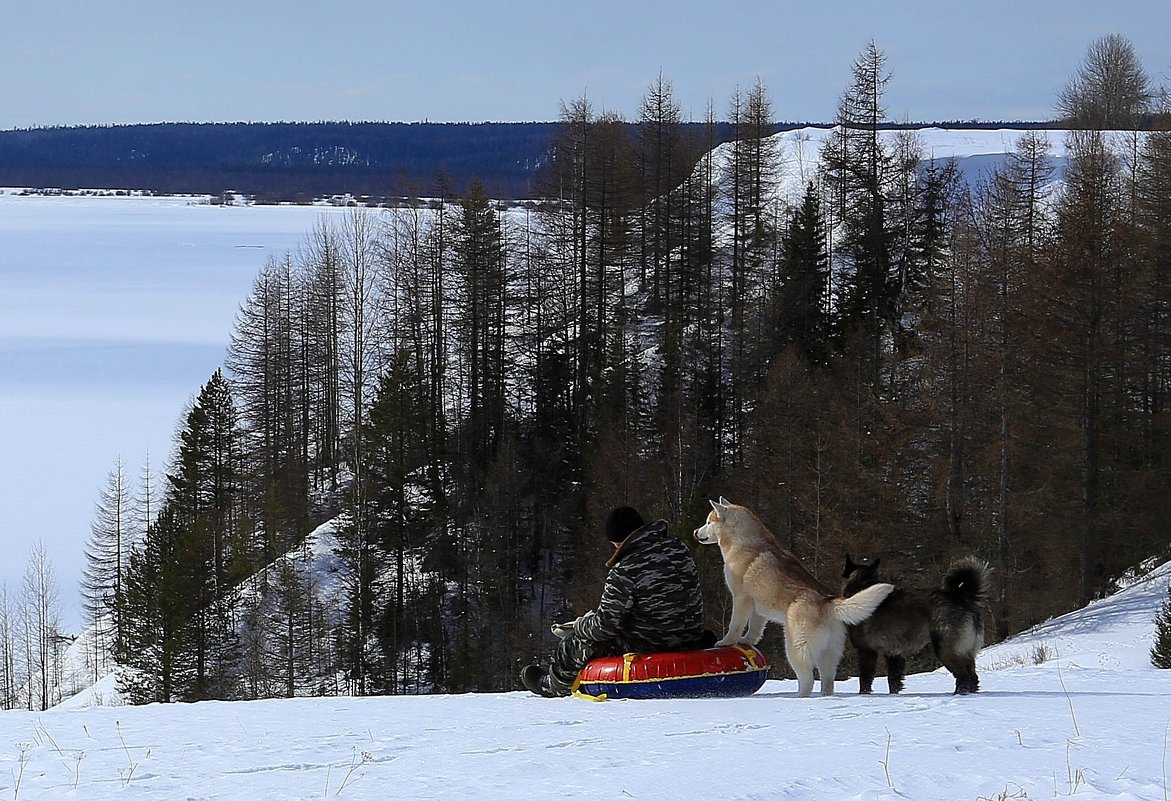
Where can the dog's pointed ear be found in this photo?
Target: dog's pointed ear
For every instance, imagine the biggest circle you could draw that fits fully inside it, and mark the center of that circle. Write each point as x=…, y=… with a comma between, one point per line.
x=724, y=501
x=849, y=567
x=716, y=508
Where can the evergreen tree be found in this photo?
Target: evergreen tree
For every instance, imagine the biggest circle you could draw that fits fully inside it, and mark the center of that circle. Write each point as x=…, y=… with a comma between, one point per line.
x=363, y=564
x=398, y=507
x=181, y=643
x=157, y=659
x=936, y=198
x=1161, y=650
x=802, y=302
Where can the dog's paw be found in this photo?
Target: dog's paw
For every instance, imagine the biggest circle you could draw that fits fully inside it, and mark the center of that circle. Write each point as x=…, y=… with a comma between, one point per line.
x=725, y=642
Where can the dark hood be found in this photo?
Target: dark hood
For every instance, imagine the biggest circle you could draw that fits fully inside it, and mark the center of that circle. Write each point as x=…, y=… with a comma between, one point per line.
x=640, y=539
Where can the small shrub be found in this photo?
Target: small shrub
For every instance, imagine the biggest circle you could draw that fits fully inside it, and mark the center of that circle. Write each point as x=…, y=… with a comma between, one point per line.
x=1038, y=654
x=1161, y=650
x=1006, y=794
x=1041, y=654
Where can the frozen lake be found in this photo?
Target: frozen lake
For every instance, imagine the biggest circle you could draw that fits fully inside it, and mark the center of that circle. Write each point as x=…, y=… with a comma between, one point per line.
x=113, y=313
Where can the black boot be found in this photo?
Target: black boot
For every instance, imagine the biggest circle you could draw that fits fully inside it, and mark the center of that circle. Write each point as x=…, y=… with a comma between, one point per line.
x=536, y=680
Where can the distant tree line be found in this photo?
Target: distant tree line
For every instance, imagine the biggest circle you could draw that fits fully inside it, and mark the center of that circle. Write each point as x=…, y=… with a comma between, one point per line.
x=893, y=363
x=280, y=161
x=299, y=162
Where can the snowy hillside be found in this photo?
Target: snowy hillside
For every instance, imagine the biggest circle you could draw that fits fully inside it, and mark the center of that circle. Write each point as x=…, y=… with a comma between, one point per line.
x=977, y=152
x=1089, y=720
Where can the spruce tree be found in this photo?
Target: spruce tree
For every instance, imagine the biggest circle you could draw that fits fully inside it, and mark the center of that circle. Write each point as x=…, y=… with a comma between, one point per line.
x=1161, y=650
x=154, y=665
x=802, y=313
x=397, y=499
x=362, y=563
x=180, y=643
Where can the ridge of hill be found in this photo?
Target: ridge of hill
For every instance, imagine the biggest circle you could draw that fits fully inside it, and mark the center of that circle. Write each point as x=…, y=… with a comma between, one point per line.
x=279, y=161
x=302, y=161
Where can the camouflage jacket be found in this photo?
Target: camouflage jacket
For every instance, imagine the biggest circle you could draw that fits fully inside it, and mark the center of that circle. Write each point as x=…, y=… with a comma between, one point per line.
x=651, y=600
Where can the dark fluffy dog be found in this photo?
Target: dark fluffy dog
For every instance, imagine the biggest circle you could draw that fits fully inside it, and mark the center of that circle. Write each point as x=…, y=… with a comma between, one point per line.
x=949, y=617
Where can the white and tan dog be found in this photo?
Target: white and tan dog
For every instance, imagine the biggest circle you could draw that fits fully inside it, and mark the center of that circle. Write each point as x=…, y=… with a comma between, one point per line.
x=767, y=582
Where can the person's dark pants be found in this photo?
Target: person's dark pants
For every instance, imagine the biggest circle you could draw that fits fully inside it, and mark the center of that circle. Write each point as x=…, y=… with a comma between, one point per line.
x=571, y=656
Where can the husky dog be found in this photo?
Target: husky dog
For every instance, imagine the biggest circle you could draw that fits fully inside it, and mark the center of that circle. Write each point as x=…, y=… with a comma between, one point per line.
x=948, y=617
x=768, y=583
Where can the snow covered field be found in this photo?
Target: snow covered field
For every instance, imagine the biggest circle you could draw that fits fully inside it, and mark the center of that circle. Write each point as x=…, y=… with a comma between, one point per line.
x=1089, y=720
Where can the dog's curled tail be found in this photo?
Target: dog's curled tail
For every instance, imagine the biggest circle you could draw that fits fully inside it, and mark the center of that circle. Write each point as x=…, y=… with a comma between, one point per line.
x=966, y=581
x=861, y=605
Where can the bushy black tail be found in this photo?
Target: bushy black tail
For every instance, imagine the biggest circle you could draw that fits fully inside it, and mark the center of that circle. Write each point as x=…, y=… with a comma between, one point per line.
x=966, y=582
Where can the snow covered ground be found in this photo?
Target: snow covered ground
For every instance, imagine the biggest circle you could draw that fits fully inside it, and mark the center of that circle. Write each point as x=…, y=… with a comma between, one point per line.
x=1089, y=720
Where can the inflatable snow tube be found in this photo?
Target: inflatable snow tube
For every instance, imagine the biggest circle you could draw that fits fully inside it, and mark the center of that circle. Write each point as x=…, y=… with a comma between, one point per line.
x=728, y=672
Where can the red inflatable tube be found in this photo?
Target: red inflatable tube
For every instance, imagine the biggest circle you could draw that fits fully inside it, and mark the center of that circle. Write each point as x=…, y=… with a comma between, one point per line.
x=728, y=672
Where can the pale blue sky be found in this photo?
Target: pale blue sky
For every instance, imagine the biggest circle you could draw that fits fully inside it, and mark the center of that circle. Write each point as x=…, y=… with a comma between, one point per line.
x=127, y=61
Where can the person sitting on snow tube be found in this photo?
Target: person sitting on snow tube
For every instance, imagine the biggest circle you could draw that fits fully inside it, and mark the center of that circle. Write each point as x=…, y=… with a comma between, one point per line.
x=650, y=602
